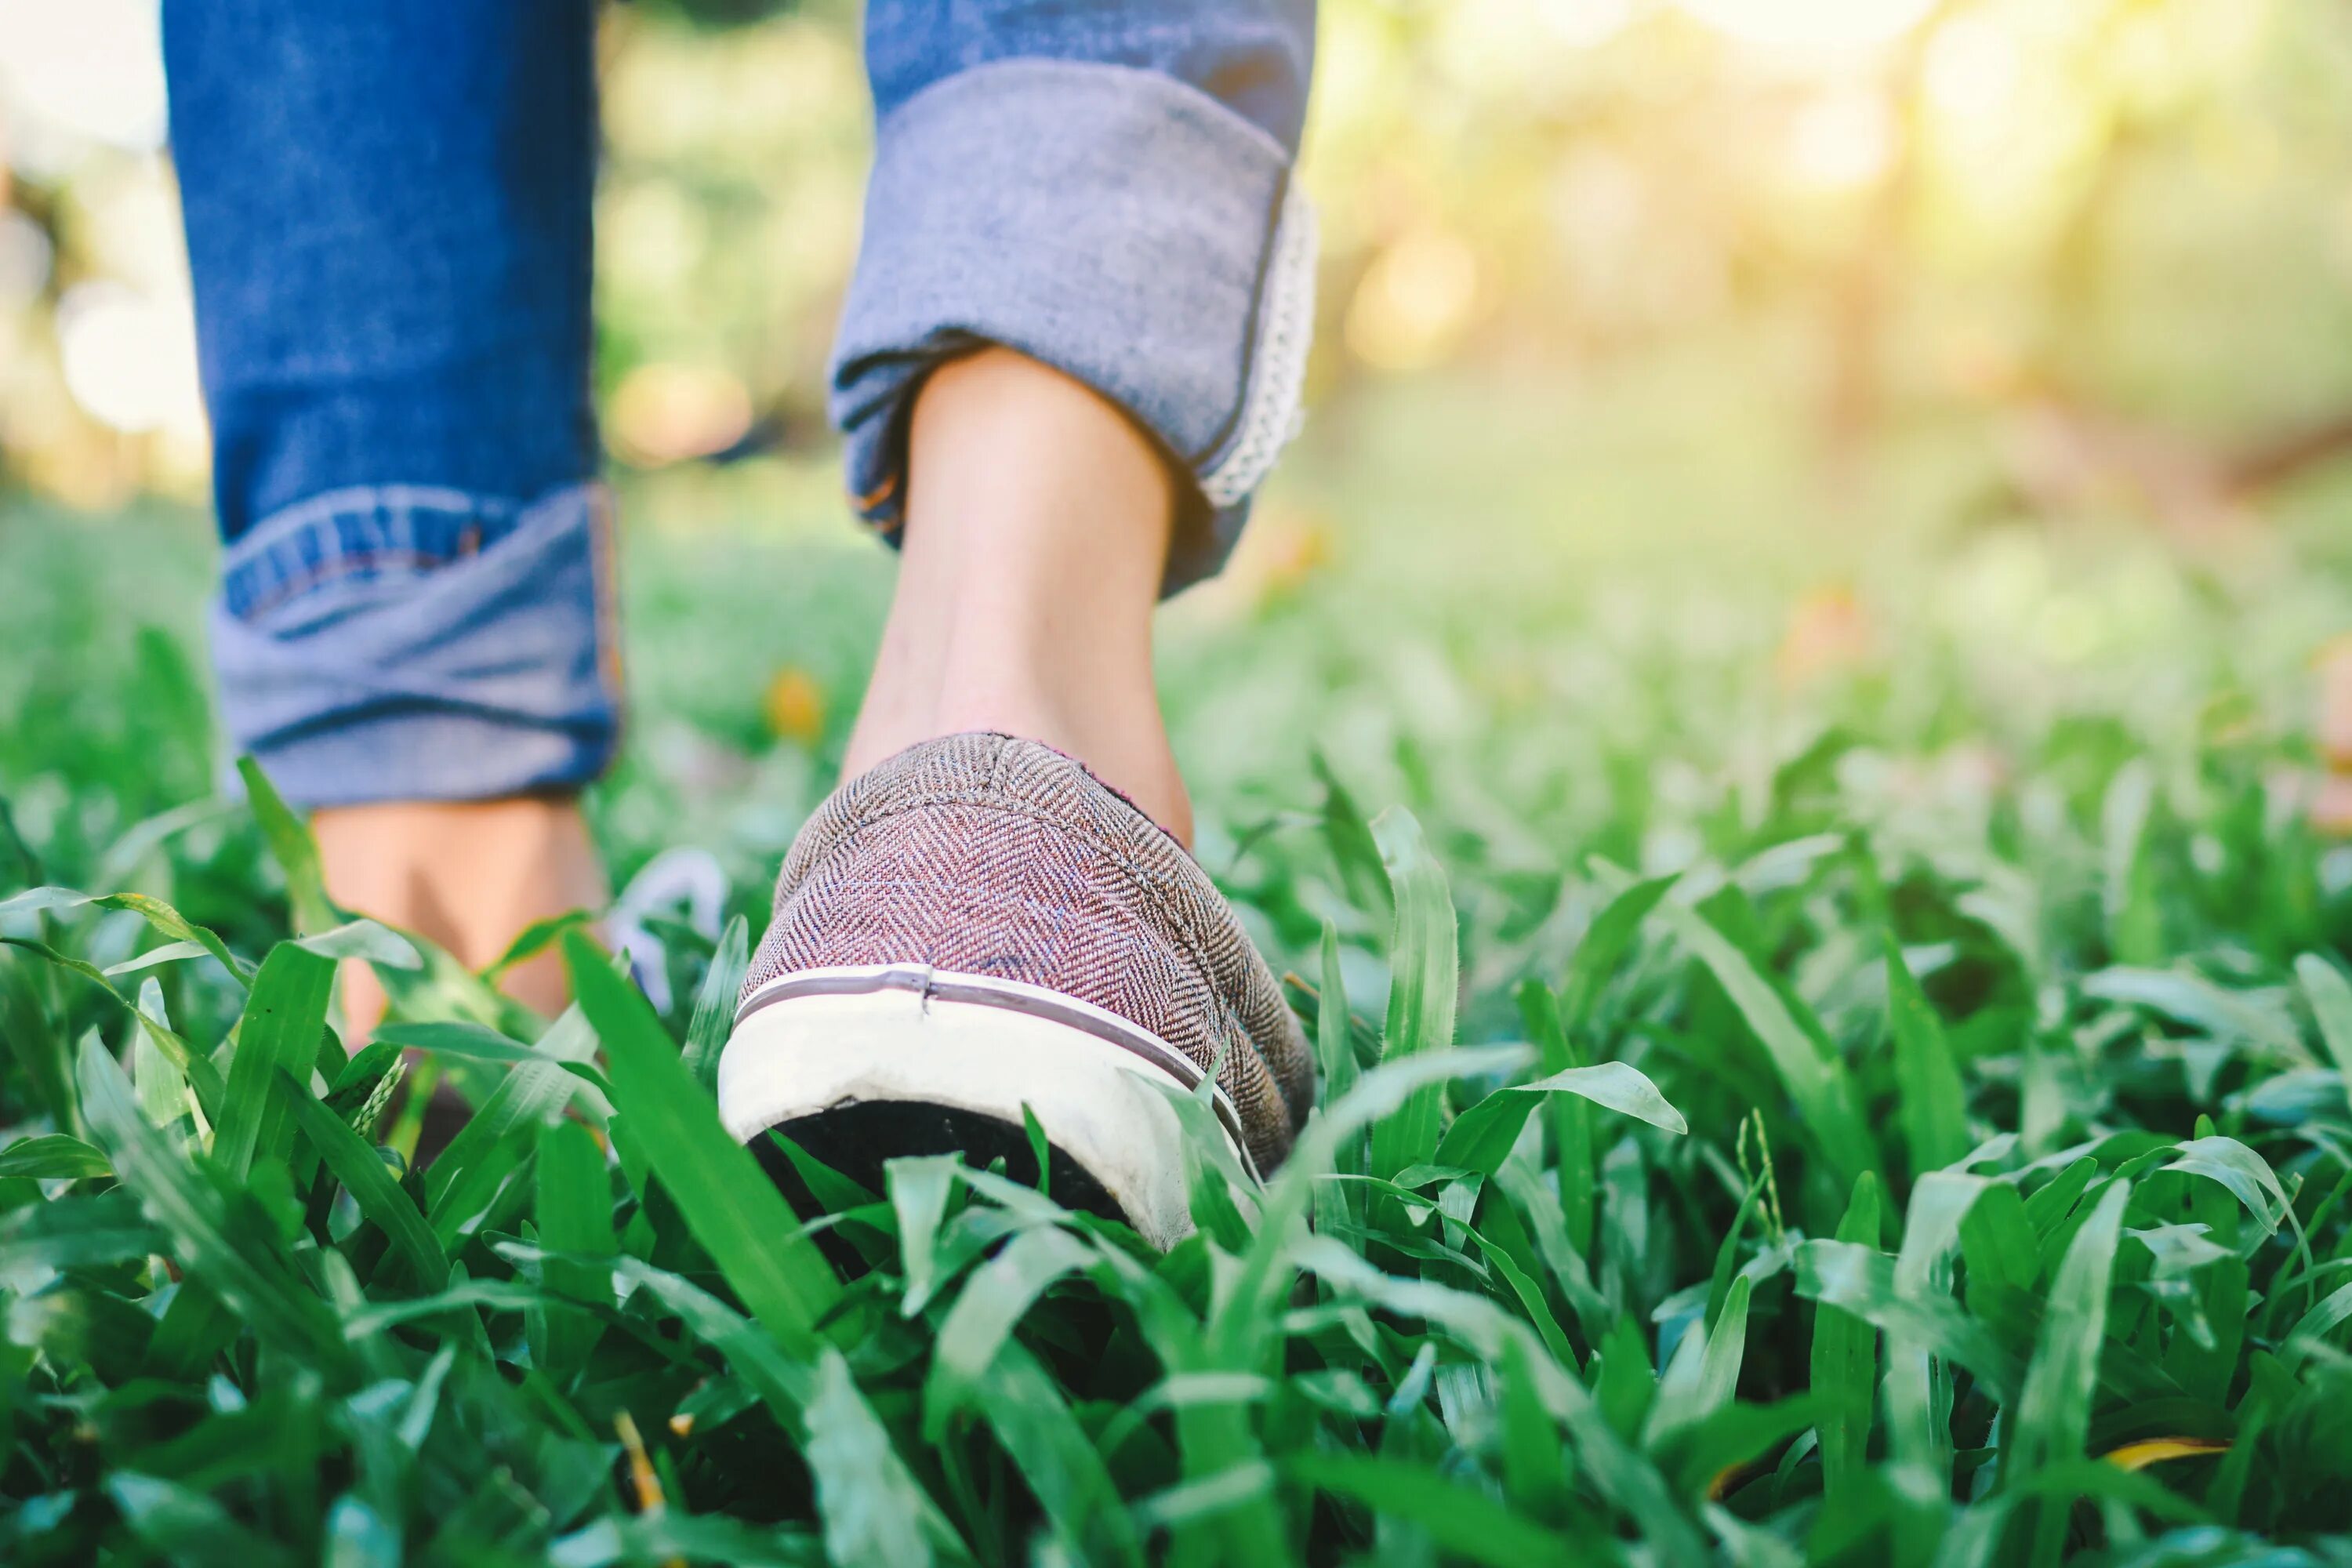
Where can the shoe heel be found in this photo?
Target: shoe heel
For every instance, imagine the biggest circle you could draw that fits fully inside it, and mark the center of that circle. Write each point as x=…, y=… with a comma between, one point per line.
x=922, y=1068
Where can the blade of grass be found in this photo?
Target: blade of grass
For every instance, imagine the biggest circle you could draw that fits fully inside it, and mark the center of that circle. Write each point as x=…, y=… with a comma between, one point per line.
x=1057, y=1458
x=1619, y=1474
x=1845, y=1361
x=1462, y=1522
x=873, y=1512
x=1568, y=1116
x=1929, y=1096
x=164, y=1093
x=533, y=939
x=670, y=1538
x=296, y=852
x=2311, y=1329
x=285, y=1020
x=1335, y=1050
x=1246, y=1314
x=1424, y=980
x=996, y=1296
x=479, y=1043
x=497, y=1138
x=1481, y=1136
x=182, y=1524
x=1535, y=1464
x=1698, y=1384
x=1594, y=962
x=366, y=942
x=52, y=1156
x=727, y=1201
x=37, y=1041
x=1817, y=1083
x=75, y=1232
x=1726, y=1252
x=203, y=1076
x=1862, y=1280
x=2128, y=891
x=714, y=1004
x=2191, y=999
x=1713, y=1458
x=2245, y=1175
x=1337, y=1203
x=2052, y=1420
x=575, y=1219
x=1354, y=849
x=236, y=1265
x=2329, y=995
x=169, y=922
x=1996, y=1235
x=361, y=1170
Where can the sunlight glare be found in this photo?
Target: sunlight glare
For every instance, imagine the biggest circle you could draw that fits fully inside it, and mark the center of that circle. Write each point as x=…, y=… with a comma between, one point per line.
x=130, y=358
x=1842, y=142
x=1586, y=23
x=93, y=69
x=1974, y=71
x=1808, y=24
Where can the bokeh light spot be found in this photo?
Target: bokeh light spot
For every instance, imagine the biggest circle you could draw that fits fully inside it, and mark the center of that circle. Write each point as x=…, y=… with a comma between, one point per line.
x=1834, y=25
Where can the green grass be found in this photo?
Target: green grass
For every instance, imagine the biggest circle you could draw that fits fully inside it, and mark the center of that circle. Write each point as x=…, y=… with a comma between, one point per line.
x=1893, y=1117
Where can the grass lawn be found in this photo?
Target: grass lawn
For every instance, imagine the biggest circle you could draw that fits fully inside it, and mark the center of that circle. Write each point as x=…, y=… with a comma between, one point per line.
x=1834, y=1031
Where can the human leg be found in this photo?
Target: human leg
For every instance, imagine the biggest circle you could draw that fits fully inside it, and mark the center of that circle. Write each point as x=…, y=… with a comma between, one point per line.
x=1106, y=193
x=469, y=873
x=387, y=206
x=1072, y=350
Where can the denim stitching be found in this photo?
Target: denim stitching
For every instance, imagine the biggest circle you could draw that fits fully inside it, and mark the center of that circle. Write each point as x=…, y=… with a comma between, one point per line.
x=328, y=506
x=355, y=564
x=304, y=546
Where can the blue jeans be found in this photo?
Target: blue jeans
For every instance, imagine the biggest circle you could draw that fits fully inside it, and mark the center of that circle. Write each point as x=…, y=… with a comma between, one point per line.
x=388, y=211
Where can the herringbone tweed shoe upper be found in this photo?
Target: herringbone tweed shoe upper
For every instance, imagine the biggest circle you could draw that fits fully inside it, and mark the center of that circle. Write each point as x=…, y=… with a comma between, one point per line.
x=990, y=856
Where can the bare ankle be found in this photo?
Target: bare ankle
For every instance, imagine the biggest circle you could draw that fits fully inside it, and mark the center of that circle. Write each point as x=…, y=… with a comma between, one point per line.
x=466, y=875
x=1038, y=528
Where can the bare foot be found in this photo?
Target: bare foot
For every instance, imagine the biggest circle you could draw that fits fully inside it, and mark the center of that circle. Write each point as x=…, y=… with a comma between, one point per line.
x=469, y=875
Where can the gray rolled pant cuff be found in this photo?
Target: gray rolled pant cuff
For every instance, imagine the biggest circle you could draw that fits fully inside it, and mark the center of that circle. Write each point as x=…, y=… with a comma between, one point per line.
x=1116, y=223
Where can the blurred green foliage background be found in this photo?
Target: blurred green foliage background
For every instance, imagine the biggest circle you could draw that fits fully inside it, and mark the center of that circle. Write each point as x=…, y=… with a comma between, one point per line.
x=2113, y=237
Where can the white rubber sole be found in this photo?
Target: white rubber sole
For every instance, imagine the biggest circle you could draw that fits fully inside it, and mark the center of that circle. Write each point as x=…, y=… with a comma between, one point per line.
x=818, y=1042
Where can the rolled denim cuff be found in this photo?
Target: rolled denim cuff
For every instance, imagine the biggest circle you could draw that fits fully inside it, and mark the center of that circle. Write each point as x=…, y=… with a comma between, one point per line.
x=410, y=642
x=1116, y=223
